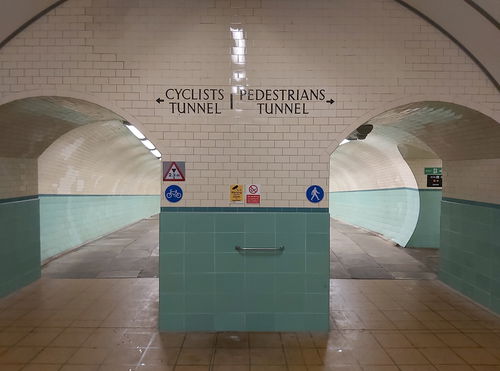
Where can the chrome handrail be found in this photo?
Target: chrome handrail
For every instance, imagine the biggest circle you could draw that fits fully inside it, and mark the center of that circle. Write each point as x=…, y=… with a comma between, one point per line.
x=259, y=249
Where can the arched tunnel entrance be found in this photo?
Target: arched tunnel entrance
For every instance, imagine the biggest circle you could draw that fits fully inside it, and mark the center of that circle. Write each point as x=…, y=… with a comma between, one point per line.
x=73, y=172
x=390, y=184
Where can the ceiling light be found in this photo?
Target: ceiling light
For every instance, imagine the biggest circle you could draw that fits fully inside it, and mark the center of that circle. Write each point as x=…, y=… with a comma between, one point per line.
x=147, y=143
x=135, y=131
x=344, y=142
x=156, y=153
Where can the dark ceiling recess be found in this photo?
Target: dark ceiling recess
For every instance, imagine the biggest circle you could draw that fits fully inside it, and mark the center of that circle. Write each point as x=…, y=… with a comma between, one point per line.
x=361, y=132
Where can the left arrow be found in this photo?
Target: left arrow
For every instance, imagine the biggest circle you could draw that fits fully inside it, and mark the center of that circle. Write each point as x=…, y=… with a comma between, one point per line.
x=159, y=100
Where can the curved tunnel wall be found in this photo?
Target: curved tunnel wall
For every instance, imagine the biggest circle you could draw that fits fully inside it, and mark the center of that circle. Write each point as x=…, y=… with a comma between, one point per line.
x=372, y=186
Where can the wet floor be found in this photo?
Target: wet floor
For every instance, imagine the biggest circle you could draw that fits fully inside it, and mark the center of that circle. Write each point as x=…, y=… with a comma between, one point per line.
x=357, y=253
x=130, y=252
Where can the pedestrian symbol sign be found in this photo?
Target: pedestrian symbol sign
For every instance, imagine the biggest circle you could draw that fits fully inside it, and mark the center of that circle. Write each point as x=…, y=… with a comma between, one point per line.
x=174, y=171
x=315, y=193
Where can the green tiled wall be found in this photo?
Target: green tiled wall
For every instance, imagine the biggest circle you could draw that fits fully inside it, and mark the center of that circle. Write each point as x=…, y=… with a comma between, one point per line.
x=19, y=244
x=427, y=230
x=408, y=216
x=67, y=221
x=206, y=285
x=470, y=250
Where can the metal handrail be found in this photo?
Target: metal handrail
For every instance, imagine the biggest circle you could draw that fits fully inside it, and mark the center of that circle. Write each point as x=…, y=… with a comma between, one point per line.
x=260, y=249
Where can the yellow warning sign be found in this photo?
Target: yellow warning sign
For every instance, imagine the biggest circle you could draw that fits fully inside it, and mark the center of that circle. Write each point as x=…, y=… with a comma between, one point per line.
x=236, y=193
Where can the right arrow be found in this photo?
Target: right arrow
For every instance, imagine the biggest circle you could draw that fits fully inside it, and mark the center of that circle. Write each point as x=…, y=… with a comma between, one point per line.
x=331, y=101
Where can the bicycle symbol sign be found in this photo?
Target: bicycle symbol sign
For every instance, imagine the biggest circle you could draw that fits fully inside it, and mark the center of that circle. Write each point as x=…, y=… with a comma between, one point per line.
x=173, y=193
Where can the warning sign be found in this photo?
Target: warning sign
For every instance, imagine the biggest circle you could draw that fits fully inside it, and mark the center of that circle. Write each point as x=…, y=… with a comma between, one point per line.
x=236, y=193
x=174, y=171
x=252, y=193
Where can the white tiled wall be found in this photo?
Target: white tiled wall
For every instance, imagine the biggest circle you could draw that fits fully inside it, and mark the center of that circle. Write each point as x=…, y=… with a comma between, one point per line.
x=365, y=53
x=18, y=177
x=418, y=166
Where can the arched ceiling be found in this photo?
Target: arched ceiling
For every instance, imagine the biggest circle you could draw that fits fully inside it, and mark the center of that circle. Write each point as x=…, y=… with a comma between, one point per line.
x=30, y=125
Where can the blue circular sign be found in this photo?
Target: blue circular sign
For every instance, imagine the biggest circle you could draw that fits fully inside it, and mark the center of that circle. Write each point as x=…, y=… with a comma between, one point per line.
x=315, y=193
x=173, y=193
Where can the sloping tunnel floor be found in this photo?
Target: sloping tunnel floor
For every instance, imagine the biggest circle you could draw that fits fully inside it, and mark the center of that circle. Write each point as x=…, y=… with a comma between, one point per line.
x=361, y=254
x=132, y=252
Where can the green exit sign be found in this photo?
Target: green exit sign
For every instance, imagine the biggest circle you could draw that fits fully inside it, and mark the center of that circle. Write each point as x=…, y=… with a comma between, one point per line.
x=433, y=170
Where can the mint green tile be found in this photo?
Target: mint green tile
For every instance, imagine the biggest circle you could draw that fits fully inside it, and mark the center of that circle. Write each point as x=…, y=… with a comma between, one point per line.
x=317, y=263
x=226, y=242
x=229, y=283
x=289, y=282
x=259, y=283
x=259, y=262
x=200, y=283
x=259, y=302
x=229, y=262
x=172, y=303
x=199, y=263
x=317, y=303
x=318, y=223
x=172, y=283
x=317, y=283
x=290, y=223
x=172, y=222
x=290, y=262
x=200, y=322
x=293, y=242
x=199, y=242
x=289, y=322
x=200, y=303
x=200, y=222
x=172, y=322
x=293, y=302
x=318, y=242
x=171, y=263
x=229, y=222
x=234, y=302
x=172, y=242
x=230, y=322
x=260, y=322
x=316, y=322
x=255, y=239
x=260, y=223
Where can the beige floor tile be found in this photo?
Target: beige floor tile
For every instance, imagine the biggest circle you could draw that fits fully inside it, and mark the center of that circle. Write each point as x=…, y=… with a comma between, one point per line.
x=477, y=356
x=267, y=356
x=199, y=340
x=80, y=368
x=372, y=356
x=10, y=338
x=267, y=368
x=195, y=356
x=89, y=356
x=353, y=367
x=40, y=337
x=232, y=356
x=232, y=340
x=441, y=356
x=407, y=356
x=192, y=368
x=168, y=340
x=19, y=355
x=42, y=367
x=485, y=339
x=380, y=368
x=231, y=368
x=72, y=337
x=392, y=339
x=311, y=356
x=54, y=355
x=454, y=368
x=337, y=357
x=160, y=356
x=456, y=339
x=424, y=340
x=124, y=356
x=486, y=368
x=265, y=340
x=417, y=368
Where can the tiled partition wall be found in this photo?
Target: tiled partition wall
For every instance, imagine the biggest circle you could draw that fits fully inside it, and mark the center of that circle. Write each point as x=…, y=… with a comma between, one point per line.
x=470, y=249
x=19, y=242
x=206, y=284
x=67, y=221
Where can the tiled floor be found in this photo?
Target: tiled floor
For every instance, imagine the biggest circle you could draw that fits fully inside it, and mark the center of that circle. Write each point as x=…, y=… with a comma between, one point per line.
x=357, y=253
x=127, y=253
x=377, y=325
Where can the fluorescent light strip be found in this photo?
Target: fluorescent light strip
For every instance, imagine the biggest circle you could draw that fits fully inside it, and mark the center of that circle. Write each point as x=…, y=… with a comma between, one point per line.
x=147, y=143
x=135, y=131
x=156, y=153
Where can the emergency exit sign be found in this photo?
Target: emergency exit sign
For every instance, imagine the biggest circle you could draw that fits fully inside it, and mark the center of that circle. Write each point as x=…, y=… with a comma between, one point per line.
x=433, y=171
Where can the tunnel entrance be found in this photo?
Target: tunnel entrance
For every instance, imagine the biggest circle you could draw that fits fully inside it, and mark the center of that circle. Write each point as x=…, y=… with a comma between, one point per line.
x=79, y=193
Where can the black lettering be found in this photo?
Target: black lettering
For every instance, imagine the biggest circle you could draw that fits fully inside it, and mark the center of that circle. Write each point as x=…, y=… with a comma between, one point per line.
x=322, y=94
x=172, y=106
x=304, y=112
x=166, y=93
x=260, y=107
x=221, y=94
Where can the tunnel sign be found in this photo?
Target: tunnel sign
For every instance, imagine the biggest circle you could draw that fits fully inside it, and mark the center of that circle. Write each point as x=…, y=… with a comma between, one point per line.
x=236, y=192
x=252, y=193
x=315, y=193
x=433, y=171
x=173, y=193
x=174, y=171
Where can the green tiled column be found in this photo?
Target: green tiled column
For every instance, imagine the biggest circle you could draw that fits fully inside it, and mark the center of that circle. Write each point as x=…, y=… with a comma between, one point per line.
x=19, y=243
x=470, y=250
x=206, y=285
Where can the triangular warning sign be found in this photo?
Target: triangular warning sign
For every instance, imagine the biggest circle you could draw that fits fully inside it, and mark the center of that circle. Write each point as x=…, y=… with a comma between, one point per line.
x=174, y=173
